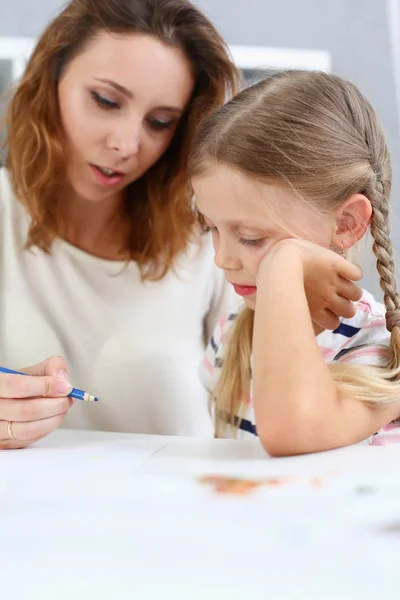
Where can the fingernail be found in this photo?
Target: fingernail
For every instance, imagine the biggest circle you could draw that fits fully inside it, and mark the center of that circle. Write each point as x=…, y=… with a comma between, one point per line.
x=63, y=386
x=62, y=374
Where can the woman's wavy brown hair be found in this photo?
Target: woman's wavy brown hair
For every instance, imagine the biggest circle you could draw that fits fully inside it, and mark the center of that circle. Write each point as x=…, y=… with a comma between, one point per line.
x=158, y=205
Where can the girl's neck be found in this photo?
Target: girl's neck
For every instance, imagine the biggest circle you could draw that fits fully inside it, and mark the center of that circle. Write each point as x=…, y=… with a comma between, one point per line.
x=94, y=227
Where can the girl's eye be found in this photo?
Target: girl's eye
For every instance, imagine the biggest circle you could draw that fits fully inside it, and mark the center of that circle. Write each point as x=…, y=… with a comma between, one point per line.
x=104, y=102
x=251, y=243
x=159, y=123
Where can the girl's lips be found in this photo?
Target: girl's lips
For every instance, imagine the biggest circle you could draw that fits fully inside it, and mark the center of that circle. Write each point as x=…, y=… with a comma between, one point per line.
x=244, y=290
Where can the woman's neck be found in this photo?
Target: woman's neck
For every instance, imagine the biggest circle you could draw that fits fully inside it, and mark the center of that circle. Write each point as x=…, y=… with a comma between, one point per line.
x=94, y=227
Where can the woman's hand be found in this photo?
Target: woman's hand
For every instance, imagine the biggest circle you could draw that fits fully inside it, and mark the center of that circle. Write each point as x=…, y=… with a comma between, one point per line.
x=328, y=280
x=33, y=406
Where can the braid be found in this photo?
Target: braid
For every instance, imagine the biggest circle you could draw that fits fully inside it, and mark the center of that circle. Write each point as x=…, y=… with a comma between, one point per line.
x=384, y=252
x=379, y=194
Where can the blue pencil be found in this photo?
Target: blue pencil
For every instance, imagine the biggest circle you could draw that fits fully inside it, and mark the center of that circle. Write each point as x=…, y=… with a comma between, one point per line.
x=75, y=393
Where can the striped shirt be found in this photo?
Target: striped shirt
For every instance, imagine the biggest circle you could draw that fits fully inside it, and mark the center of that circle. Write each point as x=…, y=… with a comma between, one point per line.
x=361, y=340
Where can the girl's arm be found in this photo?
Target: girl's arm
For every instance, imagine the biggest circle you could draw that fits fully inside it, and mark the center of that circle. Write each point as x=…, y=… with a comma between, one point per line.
x=296, y=404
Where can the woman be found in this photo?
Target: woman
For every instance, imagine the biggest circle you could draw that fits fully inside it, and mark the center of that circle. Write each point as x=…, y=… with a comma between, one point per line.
x=100, y=259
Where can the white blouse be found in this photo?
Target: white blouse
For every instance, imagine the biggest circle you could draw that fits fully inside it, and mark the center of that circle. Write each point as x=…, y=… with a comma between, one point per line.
x=137, y=346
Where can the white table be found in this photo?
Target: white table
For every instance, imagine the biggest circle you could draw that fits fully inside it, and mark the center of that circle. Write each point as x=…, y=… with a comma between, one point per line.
x=99, y=516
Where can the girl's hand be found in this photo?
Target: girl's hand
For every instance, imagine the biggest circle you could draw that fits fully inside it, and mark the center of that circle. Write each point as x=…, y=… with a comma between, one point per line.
x=328, y=280
x=32, y=407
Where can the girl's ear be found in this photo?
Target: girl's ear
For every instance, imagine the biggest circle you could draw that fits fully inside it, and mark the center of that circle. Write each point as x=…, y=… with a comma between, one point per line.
x=352, y=221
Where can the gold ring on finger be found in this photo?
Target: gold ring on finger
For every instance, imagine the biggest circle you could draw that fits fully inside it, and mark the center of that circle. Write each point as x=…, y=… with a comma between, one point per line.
x=10, y=431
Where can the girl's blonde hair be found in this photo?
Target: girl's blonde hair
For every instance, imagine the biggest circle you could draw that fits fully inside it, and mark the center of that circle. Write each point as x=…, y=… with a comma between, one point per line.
x=316, y=133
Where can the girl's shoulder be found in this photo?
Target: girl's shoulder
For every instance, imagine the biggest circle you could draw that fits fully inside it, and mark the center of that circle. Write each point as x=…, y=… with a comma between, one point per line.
x=365, y=333
x=213, y=357
x=222, y=331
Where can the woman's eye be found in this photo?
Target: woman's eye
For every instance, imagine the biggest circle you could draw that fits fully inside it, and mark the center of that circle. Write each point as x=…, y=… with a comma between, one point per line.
x=159, y=123
x=251, y=243
x=104, y=102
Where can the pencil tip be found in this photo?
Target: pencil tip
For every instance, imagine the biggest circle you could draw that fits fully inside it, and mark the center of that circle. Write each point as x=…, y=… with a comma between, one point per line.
x=90, y=398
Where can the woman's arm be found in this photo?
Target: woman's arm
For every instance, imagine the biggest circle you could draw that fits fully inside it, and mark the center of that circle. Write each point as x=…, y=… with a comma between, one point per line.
x=296, y=404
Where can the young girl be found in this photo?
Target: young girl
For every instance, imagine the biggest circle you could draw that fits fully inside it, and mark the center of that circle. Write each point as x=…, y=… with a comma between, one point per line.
x=288, y=176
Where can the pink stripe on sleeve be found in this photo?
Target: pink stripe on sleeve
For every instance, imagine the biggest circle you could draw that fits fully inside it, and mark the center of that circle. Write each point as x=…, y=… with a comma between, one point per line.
x=328, y=353
x=222, y=321
x=384, y=440
x=370, y=352
x=391, y=426
x=208, y=365
x=376, y=323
